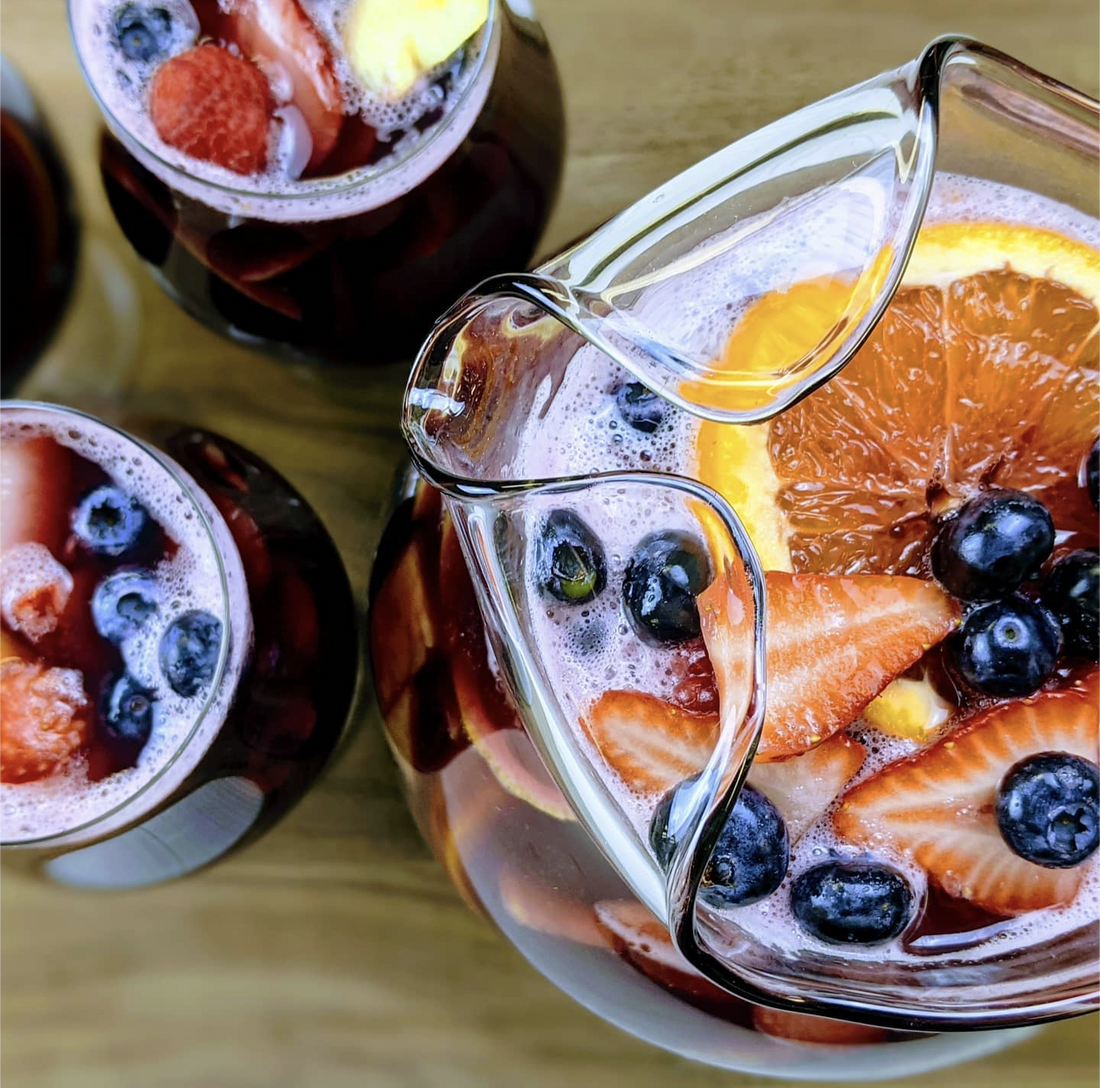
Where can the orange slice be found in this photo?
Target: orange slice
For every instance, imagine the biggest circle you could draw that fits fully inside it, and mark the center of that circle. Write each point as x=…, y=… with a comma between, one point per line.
x=982, y=372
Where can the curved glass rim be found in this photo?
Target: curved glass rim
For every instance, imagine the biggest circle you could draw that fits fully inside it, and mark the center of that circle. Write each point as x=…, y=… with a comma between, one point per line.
x=311, y=188
x=187, y=485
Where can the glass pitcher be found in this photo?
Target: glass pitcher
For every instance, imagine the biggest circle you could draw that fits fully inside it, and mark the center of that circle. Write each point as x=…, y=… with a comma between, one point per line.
x=697, y=685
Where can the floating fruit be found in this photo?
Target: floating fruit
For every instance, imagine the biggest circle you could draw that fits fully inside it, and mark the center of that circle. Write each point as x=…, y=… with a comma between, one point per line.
x=852, y=902
x=803, y=787
x=45, y=721
x=215, y=106
x=939, y=807
x=392, y=43
x=636, y=935
x=833, y=643
x=909, y=708
x=814, y=1029
x=546, y=910
x=34, y=590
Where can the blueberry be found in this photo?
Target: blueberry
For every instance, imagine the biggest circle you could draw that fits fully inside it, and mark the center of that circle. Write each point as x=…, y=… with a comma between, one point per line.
x=1072, y=593
x=640, y=407
x=1090, y=471
x=992, y=544
x=750, y=858
x=109, y=522
x=569, y=559
x=143, y=33
x=189, y=651
x=1048, y=809
x=127, y=710
x=1006, y=647
x=852, y=902
x=122, y=603
x=664, y=576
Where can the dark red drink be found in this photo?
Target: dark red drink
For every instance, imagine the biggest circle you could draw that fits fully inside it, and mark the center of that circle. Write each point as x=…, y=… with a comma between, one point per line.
x=179, y=648
x=345, y=234
x=39, y=227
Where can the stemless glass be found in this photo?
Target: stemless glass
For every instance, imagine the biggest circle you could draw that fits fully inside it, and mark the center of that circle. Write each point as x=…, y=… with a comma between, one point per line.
x=563, y=864
x=351, y=268
x=277, y=699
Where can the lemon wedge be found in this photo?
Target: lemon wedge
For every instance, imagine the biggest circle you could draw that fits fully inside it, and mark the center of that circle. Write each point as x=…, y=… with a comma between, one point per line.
x=390, y=44
x=908, y=708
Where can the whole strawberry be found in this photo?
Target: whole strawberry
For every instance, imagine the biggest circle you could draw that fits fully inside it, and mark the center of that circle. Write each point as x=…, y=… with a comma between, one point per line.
x=214, y=106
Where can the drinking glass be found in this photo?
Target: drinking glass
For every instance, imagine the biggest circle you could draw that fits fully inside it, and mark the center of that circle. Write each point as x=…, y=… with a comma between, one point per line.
x=279, y=693
x=352, y=268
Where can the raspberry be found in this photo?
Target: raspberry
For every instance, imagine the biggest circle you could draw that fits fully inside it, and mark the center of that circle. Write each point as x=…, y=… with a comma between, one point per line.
x=213, y=106
x=43, y=723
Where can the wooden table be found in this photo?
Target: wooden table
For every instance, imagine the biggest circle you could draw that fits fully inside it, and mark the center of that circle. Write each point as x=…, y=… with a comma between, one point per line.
x=334, y=951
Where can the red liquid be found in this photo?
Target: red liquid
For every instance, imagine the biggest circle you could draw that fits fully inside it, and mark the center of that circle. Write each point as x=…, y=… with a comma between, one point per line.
x=291, y=703
x=536, y=875
x=40, y=232
x=364, y=289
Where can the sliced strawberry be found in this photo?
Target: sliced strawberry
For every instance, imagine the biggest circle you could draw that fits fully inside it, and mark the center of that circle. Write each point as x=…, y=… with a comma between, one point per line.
x=214, y=106
x=282, y=39
x=542, y=908
x=34, y=477
x=44, y=722
x=34, y=590
x=803, y=787
x=939, y=806
x=833, y=643
x=652, y=745
x=814, y=1029
x=645, y=943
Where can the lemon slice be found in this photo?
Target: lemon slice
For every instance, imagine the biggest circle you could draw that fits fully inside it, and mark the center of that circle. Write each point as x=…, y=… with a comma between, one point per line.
x=390, y=44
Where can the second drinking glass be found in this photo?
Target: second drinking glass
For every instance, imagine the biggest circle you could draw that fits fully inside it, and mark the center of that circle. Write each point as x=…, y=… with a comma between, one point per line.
x=322, y=177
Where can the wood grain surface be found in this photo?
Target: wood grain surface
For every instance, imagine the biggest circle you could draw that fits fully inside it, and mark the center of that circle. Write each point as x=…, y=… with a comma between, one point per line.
x=334, y=951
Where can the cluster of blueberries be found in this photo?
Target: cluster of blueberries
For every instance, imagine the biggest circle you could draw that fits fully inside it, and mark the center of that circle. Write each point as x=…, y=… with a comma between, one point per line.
x=114, y=526
x=1008, y=643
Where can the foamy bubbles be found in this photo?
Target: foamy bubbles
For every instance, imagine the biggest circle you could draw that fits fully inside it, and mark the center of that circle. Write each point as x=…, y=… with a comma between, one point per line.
x=425, y=127
x=203, y=572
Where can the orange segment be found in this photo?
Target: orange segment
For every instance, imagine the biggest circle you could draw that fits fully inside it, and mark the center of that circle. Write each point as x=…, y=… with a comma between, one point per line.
x=983, y=372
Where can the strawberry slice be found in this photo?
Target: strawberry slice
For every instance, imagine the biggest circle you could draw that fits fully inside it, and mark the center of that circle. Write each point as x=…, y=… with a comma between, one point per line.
x=546, y=910
x=643, y=941
x=34, y=475
x=833, y=643
x=803, y=787
x=814, y=1029
x=939, y=806
x=214, y=106
x=44, y=720
x=283, y=40
x=652, y=745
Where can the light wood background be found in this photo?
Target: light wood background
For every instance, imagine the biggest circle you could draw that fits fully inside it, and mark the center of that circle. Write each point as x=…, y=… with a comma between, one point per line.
x=334, y=951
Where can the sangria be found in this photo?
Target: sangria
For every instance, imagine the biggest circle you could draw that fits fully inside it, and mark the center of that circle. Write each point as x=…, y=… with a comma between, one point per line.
x=179, y=647
x=323, y=176
x=40, y=227
x=905, y=826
